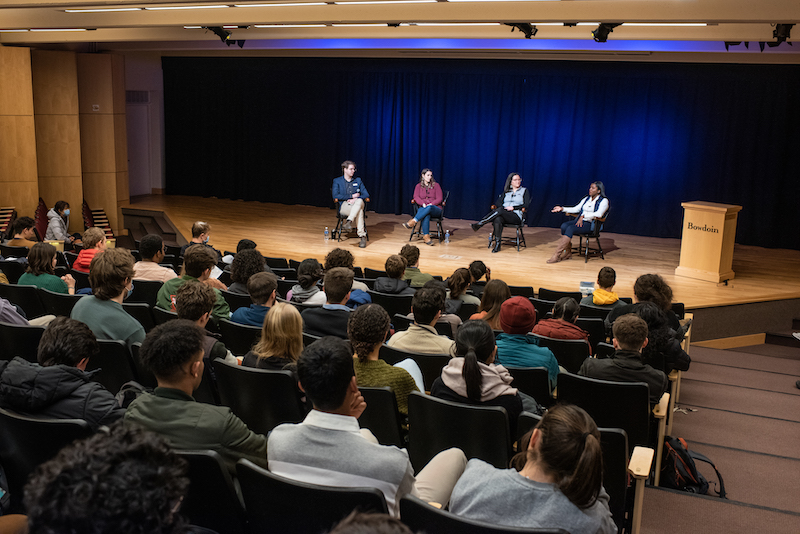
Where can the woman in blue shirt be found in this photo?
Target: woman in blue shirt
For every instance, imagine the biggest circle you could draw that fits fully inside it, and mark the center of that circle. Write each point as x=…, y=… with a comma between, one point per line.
x=508, y=208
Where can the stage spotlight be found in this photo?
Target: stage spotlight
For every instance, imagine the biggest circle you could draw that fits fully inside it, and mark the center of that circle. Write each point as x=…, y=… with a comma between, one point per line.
x=728, y=44
x=222, y=33
x=525, y=27
x=781, y=33
x=600, y=34
x=240, y=43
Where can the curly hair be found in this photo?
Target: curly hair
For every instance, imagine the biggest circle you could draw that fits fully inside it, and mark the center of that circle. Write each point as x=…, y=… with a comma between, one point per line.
x=126, y=480
x=66, y=341
x=411, y=254
x=366, y=328
x=110, y=271
x=171, y=345
x=245, y=264
x=339, y=257
x=458, y=282
x=653, y=288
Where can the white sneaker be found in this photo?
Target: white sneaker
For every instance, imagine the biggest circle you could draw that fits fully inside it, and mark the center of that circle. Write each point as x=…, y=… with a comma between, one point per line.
x=796, y=335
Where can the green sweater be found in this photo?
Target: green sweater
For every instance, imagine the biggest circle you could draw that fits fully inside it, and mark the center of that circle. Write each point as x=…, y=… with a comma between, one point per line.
x=166, y=298
x=381, y=374
x=45, y=281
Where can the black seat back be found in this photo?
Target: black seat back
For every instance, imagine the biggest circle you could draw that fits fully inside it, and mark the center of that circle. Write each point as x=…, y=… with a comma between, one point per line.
x=596, y=329
x=392, y=303
x=276, y=263
x=13, y=252
x=81, y=279
x=373, y=273
x=145, y=291
x=212, y=501
x=435, y=425
x=533, y=381
x=26, y=297
x=521, y=291
x=236, y=300
x=239, y=338
x=381, y=416
x=551, y=294
x=431, y=365
x=20, y=340
x=12, y=269
x=58, y=304
x=145, y=376
x=114, y=363
x=594, y=311
x=161, y=316
x=278, y=505
x=543, y=307
x=570, y=353
x=142, y=312
x=27, y=441
x=261, y=398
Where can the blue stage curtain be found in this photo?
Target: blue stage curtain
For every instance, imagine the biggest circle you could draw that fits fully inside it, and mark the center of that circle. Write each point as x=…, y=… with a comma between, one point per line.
x=657, y=134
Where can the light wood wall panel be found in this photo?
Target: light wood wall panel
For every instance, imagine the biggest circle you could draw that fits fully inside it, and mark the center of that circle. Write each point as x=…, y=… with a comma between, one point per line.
x=104, y=152
x=20, y=187
x=58, y=140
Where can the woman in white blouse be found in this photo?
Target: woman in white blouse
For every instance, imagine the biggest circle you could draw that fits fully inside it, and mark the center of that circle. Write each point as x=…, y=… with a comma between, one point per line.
x=591, y=207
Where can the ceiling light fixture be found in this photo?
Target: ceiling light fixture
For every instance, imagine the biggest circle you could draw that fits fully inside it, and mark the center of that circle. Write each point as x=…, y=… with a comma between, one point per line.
x=299, y=4
x=104, y=10
x=600, y=34
x=525, y=27
x=164, y=8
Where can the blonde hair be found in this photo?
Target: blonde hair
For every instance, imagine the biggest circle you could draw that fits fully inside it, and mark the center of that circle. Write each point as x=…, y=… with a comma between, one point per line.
x=282, y=333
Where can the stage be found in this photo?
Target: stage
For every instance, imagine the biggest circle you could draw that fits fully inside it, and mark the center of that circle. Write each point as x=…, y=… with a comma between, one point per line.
x=762, y=275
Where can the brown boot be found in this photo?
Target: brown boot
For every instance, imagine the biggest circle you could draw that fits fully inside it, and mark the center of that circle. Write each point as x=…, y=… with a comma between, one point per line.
x=410, y=224
x=567, y=254
x=561, y=245
x=427, y=239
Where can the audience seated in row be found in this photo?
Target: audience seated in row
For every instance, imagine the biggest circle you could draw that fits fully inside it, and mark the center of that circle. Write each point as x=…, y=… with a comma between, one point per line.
x=556, y=482
x=111, y=277
x=152, y=252
x=340, y=257
x=198, y=261
x=58, y=386
x=23, y=233
x=457, y=285
x=94, y=241
x=281, y=339
x=514, y=347
x=477, y=270
x=603, y=295
x=427, y=306
x=473, y=377
x=367, y=330
x=663, y=350
x=393, y=282
x=245, y=264
x=306, y=290
x=194, y=302
x=331, y=318
x=630, y=336
x=494, y=295
x=562, y=325
x=262, y=288
x=173, y=352
x=412, y=274
x=649, y=288
x=201, y=233
x=41, y=271
x=329, y=448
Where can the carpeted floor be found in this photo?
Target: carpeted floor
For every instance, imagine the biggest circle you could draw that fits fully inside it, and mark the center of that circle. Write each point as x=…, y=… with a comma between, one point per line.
x=742, y=410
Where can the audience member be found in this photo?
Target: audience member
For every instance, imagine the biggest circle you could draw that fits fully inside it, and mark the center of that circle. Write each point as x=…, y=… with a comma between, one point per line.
x=427, y=305
x=331, y=319
x=393, y=282
x=243, y=244
x=9, y=313
x=94, y=241
x=194, y=302
x=281, y=340
x=494, y=295
x=370, y=523
x=630, y=336
x=367, y=330
x=151, y=250
x=59, y=386
x=650, y=288
x=24, y=233
x=173, y=352
x=458, y=283
x=477, y=270
x=125, y=480
x=558, y=486
x=41, y=271
x=514, y=349
x=201, y=233
x=562, y=325
x=58, y=224
x=472, y=377
x=111, y=278
x=309, y=272
x=197, y=264
x=262, y=288
x=328, y=447
x=340, y=257
x=603, y=295
x=663, y=350
x=412, y=274
x=246, y=263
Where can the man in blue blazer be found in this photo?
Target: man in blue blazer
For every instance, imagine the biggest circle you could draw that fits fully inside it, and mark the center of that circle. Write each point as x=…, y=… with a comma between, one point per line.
x=352, y=197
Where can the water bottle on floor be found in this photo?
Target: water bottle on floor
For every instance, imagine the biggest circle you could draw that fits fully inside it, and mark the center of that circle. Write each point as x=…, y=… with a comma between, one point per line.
x=326, y=235
x=447, y=237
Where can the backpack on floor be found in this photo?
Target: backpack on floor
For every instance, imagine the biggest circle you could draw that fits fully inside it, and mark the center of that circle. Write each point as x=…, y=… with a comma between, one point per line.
x=678, y=470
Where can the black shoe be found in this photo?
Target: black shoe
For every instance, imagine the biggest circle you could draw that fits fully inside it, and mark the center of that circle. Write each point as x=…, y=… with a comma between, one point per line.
x=797, y=384
x=496, y=247
x=476, y=226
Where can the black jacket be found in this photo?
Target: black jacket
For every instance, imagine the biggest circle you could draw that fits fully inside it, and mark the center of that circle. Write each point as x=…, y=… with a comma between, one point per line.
x=59, y=391
x=393, y=286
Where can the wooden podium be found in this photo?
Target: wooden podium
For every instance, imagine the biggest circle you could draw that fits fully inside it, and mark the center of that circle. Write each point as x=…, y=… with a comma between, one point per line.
x=709, y=232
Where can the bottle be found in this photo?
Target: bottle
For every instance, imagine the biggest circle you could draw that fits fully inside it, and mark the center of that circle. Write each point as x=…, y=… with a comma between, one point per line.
x=447, y=237
x=326, y=234
x=491, y=238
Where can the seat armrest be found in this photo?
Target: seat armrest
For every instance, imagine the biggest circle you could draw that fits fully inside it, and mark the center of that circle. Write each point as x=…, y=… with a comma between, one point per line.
x=639, y=467
x=660, y=410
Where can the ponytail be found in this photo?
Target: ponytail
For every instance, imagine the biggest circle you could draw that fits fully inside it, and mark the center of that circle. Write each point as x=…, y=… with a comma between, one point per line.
x=472, y=375
x=582, y=486
x=475, y=343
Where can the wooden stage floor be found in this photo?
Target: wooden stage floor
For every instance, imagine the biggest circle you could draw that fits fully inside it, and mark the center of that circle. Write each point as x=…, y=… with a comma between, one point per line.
x=296, y=232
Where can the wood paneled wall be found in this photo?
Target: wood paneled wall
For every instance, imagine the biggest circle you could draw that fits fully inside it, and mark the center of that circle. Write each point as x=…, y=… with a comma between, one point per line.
x=58, y=140
x=18, y=171
x=104, y=150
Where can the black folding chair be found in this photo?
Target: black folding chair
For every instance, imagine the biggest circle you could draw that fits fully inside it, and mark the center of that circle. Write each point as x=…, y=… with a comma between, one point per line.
x=239, y=338
x=381, y=416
